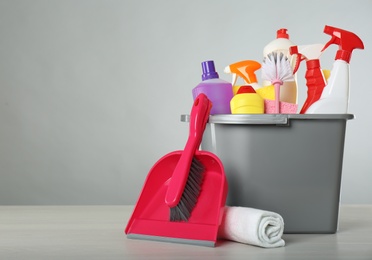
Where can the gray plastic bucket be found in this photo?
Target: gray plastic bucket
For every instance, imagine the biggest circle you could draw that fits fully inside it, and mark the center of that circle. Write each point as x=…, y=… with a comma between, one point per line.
x=287, y=163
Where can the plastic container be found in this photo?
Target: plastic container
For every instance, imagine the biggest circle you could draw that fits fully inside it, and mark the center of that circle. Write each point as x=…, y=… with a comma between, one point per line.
x=217, y=90
x=335, y=95
x=247, y=101
x=289, y=164
x=315, y=80
x=288, y=92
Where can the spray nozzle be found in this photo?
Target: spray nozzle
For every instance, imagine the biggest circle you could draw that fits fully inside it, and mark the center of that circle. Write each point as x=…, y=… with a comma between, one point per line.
x=306, y=52
x=347, y=42
x=244, y=69
x=293, y=50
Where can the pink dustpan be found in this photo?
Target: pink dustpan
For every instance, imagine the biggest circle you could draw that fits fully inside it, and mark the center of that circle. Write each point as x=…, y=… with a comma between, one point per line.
x=150, y=218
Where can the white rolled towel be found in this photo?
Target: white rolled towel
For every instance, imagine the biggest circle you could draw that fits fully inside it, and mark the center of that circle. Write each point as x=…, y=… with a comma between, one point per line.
x=252, y=226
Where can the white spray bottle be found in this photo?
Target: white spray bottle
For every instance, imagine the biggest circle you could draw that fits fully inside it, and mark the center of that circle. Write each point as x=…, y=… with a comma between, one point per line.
x=335, y=95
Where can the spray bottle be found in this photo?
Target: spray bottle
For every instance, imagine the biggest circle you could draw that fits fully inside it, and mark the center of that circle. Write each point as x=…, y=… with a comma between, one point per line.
x=288, y=92
x=315, y=80
x=335, y=96
x=246, y=70
x=217, y=90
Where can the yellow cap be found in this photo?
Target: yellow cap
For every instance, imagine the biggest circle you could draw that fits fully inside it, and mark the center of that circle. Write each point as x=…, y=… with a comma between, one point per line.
x=247, y=103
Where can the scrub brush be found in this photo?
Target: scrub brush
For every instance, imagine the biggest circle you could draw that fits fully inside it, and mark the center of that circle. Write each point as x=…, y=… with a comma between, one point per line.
x=277, y=69
x=182, y=211
x=185, y=184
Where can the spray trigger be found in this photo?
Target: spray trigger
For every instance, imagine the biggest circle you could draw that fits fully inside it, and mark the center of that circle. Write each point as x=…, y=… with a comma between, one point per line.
x=293, y=50
x=334, y=40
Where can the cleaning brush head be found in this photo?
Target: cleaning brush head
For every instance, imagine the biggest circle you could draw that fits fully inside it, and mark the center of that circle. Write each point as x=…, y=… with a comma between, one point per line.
x=182, y=211
x=276, y=66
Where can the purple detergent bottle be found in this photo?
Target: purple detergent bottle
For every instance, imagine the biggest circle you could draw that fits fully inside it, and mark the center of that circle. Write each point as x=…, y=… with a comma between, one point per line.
x=217, y=90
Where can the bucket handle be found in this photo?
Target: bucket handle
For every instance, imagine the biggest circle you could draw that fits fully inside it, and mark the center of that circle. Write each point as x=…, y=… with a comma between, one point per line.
x=267, y=119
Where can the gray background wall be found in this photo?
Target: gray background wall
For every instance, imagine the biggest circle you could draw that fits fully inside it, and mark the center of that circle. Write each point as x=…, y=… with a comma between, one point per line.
x=91, y=92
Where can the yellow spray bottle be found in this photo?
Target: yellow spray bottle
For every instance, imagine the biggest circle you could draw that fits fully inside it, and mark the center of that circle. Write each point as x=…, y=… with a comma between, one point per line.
x=246, y=70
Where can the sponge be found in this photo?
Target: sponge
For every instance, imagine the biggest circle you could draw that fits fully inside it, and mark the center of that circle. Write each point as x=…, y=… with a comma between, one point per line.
x=285, y=107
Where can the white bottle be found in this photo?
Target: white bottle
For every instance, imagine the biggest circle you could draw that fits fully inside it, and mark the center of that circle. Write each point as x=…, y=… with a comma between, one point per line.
x=335, y=96
x=288, y=92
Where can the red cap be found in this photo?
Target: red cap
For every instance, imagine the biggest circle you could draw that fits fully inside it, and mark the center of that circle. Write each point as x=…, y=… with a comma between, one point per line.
x=246, y=89
x=282, y=33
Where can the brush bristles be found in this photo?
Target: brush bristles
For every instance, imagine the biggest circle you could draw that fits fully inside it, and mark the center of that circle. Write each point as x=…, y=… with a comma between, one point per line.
x=182, y=211
x=276, y=66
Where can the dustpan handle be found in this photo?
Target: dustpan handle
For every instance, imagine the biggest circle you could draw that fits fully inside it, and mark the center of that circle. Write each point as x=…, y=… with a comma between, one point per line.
x=198, y=120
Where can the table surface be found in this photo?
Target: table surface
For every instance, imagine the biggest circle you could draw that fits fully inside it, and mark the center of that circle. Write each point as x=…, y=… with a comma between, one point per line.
x=96, y=232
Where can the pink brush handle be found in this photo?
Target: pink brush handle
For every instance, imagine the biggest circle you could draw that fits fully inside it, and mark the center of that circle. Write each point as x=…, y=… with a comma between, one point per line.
x=198, y=120
x=277, y=84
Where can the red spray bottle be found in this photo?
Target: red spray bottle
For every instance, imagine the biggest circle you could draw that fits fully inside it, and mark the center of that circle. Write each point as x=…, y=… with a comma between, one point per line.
x=315, y=80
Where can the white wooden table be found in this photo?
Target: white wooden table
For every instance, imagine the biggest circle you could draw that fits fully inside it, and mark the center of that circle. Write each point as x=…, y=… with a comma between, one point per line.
x=97, y=232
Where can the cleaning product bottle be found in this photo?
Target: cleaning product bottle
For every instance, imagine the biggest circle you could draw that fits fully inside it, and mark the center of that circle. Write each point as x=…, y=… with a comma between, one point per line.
x=315, y=80
x=247, y=101
x=335, y=96
x=288, y=92
x=246, y=70
x=217, y=90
